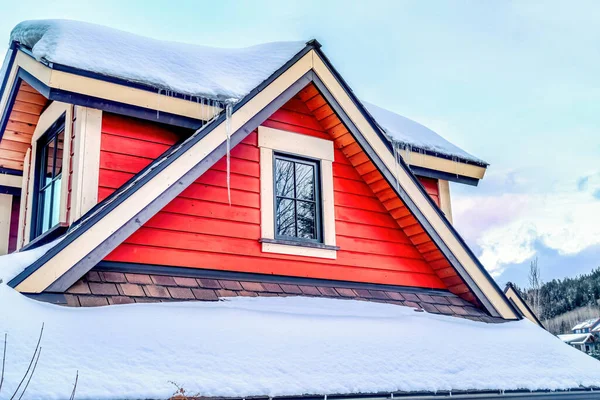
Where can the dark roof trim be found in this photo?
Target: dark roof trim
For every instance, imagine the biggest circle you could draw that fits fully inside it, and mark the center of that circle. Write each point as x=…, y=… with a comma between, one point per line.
x=572, y=394
x=120, y=195
x=417, y=212
x=53, y=298
x=430, y=173
x=10, y=171
x=509, y=285
x=153, y=269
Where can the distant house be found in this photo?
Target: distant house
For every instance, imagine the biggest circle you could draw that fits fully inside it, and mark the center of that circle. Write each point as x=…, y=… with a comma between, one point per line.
x=586, y=326
x=586, y=342
x=254, y=182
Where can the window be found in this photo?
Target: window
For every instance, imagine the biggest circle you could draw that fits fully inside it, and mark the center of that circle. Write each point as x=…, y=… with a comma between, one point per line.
x=297, y=199
x=48, y=181
x=296, y=194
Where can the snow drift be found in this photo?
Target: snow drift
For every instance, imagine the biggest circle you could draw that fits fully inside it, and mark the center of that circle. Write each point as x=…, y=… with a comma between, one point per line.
x=275, y=346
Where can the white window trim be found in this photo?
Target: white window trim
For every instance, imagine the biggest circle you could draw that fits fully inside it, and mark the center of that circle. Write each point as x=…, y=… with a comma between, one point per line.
x=52, y=113
x=270, y=140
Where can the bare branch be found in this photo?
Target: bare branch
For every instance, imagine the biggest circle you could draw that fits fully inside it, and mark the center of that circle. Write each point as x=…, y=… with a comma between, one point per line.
x=74, y=386
x=32, y=372
x=37, y=346
x=3, y=361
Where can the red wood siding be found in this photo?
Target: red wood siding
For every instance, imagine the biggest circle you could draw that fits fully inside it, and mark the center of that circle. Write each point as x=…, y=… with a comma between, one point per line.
x=199, y=229
x=431, y=187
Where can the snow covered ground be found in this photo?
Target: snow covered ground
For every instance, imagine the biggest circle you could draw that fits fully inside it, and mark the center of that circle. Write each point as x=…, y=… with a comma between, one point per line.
x=275, y=346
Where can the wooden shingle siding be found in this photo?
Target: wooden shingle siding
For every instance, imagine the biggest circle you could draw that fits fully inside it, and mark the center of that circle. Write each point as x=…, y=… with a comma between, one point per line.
x=199, y=229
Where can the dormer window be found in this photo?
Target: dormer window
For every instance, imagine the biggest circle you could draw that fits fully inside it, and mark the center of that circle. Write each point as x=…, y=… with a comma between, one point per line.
x=297, y=199
x=48, y=179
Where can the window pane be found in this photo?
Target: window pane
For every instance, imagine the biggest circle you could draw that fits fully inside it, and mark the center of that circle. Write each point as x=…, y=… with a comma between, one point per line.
x=305, y=181
x=59, y=153
x=48, y=163
x=285, y=217
x=44, y=209
x=284, y=178
x=306, y=220
x=56, y=202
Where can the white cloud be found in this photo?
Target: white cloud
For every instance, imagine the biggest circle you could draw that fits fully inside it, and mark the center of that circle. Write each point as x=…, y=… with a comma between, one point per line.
x=506, y=227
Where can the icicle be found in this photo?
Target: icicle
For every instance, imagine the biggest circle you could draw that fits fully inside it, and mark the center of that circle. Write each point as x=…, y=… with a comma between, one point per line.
x=396, y=164
x=228, y=108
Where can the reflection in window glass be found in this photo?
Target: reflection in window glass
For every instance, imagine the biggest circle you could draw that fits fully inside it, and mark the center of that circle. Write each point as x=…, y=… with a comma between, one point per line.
x=296, y=198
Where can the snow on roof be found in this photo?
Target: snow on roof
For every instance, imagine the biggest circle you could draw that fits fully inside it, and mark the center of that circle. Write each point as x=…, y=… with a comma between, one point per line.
x=586, y=324
x=574, y=337
x=208, y=72
x=407, y=132
x=13, y=264
x=275, y=346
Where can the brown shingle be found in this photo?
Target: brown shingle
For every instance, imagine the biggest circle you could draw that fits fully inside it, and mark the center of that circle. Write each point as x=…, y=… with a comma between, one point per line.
x=163, y=280
x=290, y=289
x=226, y=293
x=412, y=304
x=253, y=286
x=444, y=309
x=139, y=279
x=440, y=300
x=129, y=289
x=208, y=283
x=181, y=293
x=146, y=300
x=394, y=296
x=79, y=287
x=156, y=291
x=113, y=277
x=345, y=292
x=457, y=301
x=247, y=293
x=327, y=291
x=309, y=290
x=205, y=294
x=72, y=301
x=186, y=282
x=378, y=294
x=93, y=276
x=425, y=298
x=230, y=285
x=89, y=301
x=430, y=308
x=120, y=300
x=410, y=297
x=363, y=293
x=459, y=310
x=103, y=288
x=272, y=287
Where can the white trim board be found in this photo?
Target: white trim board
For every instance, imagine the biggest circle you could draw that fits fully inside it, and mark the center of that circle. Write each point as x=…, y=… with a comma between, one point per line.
x=270, y=140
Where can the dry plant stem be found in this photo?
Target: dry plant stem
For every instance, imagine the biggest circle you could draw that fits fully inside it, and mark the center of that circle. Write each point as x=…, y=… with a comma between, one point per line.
x=37, y=346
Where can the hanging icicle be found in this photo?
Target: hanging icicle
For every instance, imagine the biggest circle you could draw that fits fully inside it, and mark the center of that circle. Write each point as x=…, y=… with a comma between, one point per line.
x=158, y=105
x=228, y=109
x=396, y=163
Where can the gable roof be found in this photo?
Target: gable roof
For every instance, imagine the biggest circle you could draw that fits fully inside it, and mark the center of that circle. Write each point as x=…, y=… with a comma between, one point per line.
x=521, y=305
x=109, y=223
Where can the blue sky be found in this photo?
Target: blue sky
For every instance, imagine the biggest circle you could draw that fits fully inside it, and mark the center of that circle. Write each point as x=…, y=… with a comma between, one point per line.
x=514, y=83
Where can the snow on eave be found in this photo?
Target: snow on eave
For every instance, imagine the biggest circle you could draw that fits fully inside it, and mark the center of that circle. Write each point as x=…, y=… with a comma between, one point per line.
x=200, y=71
x=411, y=135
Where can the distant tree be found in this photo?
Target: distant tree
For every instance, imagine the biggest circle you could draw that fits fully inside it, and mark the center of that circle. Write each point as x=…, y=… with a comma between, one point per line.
x=535, y=287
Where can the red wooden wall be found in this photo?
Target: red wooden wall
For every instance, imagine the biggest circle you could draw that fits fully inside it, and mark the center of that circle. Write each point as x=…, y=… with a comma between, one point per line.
x=199, y=229
x=431, y=187
x=14, y=223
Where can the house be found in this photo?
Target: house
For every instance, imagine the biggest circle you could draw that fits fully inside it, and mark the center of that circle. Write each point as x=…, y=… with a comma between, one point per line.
x=521, y=305
x=586, y=326
x=585, y=342
x=155, y=172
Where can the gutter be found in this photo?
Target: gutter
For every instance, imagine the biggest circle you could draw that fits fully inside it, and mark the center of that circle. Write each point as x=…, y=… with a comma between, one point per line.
x=573, y=394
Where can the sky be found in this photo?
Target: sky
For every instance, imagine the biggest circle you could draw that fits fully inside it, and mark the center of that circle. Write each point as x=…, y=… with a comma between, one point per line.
x=513, y=83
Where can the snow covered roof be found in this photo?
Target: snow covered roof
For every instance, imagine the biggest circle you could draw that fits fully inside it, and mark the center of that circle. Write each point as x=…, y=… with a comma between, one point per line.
x=207, y=72
x=276, y=346
x=575, y=338
x=411, y=134
x=586, y=324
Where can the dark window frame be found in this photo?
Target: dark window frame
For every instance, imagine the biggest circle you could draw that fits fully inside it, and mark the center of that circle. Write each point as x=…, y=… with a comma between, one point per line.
x=42, y=143
x=316, y=163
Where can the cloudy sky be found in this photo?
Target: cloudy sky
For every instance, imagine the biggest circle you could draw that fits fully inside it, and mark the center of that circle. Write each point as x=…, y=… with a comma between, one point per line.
x=514, y=83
